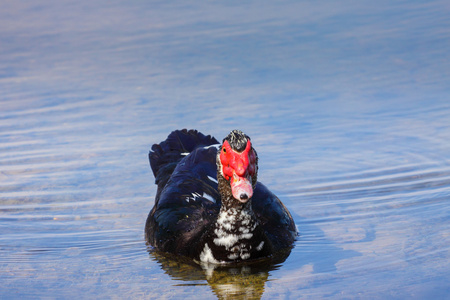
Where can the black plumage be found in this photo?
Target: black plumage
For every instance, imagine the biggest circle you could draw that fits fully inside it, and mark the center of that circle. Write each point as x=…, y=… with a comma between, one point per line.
x=189, y=207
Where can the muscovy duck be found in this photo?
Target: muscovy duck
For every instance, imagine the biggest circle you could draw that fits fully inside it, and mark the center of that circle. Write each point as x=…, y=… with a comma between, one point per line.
x=209, y=205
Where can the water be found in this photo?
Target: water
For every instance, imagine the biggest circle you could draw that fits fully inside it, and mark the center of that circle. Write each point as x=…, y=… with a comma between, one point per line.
x=347, y=105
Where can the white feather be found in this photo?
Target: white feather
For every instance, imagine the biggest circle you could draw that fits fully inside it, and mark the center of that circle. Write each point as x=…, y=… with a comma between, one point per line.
x=212, y=179
x=207, y=256
x=209, y=197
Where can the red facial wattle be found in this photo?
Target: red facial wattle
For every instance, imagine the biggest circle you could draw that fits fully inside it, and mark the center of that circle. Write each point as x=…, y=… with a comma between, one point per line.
x=238, y=168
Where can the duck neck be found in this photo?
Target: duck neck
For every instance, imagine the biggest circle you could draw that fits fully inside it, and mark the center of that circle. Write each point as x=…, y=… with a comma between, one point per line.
x=234, y=231
x=236, y=219
x=236, y=234
x=234, y=216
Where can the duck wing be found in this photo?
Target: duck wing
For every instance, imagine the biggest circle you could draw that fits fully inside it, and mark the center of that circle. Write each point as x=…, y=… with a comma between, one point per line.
x=274, y=218
x=187, y=199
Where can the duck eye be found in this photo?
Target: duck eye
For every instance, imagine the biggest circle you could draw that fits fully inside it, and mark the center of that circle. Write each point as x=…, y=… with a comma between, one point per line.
x=224, y=150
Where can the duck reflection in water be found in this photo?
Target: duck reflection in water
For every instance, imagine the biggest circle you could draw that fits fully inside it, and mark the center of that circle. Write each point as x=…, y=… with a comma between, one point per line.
x=244, y=280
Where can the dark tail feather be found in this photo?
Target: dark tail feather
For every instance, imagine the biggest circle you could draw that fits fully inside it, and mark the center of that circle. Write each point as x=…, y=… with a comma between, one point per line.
x=165, y=156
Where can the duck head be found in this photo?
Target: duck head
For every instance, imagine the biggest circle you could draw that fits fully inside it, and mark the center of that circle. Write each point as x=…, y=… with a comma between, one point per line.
x=237, y=167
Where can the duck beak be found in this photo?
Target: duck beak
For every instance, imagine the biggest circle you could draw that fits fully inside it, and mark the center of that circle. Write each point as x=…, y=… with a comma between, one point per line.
x=241, y=187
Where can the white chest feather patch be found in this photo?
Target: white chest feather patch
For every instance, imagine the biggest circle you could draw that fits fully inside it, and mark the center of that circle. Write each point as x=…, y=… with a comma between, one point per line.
x=234, y=229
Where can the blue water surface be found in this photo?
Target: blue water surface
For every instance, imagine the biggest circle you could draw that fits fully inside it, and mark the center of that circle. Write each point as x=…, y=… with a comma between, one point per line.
x=347, y=104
